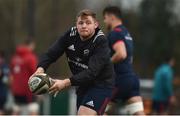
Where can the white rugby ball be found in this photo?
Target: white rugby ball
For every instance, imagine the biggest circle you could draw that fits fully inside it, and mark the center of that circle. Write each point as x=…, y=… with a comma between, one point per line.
x=40, y=84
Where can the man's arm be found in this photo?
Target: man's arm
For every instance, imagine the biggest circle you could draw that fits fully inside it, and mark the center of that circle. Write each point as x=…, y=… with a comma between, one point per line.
x=120, y=51
x=52, y=54
x=97, y=61
x=117, y=43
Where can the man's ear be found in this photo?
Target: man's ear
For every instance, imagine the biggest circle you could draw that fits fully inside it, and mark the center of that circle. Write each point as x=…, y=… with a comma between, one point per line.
x=96, y=24
x=112, y=17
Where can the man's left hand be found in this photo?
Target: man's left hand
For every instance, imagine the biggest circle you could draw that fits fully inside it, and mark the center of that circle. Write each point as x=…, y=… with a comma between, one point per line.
x=58, y=86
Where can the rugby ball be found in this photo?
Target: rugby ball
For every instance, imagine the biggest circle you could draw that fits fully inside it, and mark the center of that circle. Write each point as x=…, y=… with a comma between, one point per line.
x=40, y=84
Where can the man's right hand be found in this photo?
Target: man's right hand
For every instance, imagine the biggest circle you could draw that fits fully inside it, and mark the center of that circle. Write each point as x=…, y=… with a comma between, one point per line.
x=39, y=70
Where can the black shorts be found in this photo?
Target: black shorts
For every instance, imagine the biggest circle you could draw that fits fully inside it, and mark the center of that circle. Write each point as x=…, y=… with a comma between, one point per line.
x=23, y=99
x=2, y=102
x=160, y=106
x=126, y=86
x=95, y=98
x=3, y=96
x=20, y=99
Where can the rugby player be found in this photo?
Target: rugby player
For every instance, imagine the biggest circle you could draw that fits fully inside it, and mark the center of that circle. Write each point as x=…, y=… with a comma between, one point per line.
x=88, y=56
x=126, y=82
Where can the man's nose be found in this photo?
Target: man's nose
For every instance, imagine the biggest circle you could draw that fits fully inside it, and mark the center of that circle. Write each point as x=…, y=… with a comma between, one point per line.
x=84, y=25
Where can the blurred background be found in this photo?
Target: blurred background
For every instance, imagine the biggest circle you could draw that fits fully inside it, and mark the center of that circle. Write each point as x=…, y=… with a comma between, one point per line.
x=154, y=25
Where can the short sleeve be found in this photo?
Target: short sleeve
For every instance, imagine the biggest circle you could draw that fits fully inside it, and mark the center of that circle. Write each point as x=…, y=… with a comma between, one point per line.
x=116, y=36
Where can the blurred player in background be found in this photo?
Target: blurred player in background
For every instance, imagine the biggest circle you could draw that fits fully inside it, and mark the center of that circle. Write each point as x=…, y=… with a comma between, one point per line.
x=163, y=88
x=88, y=56
x=126, y=81
x=4, y=81
x=23, y=65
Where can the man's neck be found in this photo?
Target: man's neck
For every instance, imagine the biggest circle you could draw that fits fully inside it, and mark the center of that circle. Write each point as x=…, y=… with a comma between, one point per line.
x=115, y=24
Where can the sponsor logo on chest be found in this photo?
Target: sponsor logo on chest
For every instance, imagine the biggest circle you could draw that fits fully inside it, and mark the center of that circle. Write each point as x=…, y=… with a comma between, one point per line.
x=86, y=52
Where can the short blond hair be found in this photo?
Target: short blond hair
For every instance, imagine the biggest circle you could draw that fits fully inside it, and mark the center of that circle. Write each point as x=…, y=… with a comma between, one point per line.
x=85, y=13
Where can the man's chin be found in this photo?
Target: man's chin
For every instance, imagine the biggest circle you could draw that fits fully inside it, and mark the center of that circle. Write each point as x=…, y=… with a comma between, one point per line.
x=85, y=36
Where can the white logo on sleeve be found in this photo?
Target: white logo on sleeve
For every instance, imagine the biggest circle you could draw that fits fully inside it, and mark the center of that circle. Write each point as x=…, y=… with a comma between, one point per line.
x=128, y=37
x=90, y=103
x=71, y=47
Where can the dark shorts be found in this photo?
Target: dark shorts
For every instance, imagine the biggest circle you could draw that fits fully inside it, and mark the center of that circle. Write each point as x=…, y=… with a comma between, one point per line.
x=126, y=87
x=3, y=96
x=20, y=99
x=2, y=102
x=23, y=99
x=95, y=98
x=160, y=106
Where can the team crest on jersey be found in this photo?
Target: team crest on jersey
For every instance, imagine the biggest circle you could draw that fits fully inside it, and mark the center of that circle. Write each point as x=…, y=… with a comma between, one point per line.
x=86, y=52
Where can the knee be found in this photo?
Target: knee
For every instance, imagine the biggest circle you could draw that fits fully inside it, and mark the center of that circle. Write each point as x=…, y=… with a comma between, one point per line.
x=135, y=108
x=86, y=111
x=110, y=109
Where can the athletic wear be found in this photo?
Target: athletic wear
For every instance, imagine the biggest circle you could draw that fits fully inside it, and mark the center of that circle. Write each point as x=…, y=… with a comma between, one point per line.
x=23, y=65
x=126, y=86
x=126, y=81
x=163, y=87
x=95, y=98
x=89, y=62
x=4, y=77
x=121, y=34
x=160, y=106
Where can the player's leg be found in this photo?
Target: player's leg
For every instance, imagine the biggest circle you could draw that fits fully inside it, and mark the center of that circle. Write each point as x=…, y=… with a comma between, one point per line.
x=17, y=105
x=155, y=107
x=164, y=108
x=33, y=108
x=16, y=109
x=2, y=103
x=135, y=106
x=134, y=101
x=127, y=90
x=160, y=107
x=83, y=110
x=94, y=101
x=20, y=106
x=111, y=108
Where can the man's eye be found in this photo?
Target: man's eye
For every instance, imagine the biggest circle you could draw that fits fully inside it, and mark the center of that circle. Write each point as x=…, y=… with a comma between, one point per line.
x=88, y=22
x=81, y=23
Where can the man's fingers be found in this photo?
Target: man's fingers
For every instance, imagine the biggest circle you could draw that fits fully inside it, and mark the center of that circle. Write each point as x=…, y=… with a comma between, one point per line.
x=52, y=81
x=53, y=91
x=55, y=94
x=52, y=87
